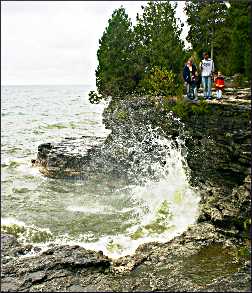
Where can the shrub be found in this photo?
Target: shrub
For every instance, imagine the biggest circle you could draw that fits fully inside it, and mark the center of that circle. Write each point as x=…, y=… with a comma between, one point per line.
x=238, y=80
x=201, y=108
x=161, y=82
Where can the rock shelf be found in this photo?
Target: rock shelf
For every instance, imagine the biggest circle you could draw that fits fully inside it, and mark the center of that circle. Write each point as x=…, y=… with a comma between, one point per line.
x=66, y=158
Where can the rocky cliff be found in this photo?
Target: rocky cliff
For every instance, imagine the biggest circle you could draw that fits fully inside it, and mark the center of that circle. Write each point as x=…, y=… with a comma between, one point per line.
x=217, y=137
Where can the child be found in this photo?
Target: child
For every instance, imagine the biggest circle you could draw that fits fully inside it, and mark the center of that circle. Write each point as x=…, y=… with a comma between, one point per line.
x=198, y=80
x=194, y=85
x=219, y=85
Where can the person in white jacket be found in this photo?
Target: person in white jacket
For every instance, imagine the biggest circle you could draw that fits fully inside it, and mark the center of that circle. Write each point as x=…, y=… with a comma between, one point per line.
x=207, y=69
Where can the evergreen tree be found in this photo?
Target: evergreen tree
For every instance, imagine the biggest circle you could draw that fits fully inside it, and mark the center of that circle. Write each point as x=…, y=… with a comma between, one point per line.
x=206, y=19
x=157, y=42
x=238, y=22
x=114, y=72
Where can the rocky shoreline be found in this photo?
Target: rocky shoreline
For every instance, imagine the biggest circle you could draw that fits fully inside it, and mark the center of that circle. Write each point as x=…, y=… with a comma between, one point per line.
x=212, y=255
x=179, y=265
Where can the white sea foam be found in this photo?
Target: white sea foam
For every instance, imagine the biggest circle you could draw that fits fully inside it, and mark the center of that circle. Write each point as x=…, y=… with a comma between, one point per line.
x=164, y=203
x=12, y=221
x=166, y=206
x=91, y=210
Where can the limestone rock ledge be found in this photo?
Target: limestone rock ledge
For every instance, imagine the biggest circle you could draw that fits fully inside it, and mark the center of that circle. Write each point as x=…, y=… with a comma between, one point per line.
x=199, y=260
x=66, y=158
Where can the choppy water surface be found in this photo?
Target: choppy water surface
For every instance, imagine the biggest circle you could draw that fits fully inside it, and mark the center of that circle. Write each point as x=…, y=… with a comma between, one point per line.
x=109, y=215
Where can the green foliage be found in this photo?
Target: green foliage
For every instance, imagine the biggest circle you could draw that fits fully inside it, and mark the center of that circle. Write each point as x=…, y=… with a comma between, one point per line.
x=238, y=80
x=160, y=83
x=196, y=59
x=149, y=57
x=239, y=23
x=181, y=109
x=113, y=75
x=201, y=108
x=157, y=38
x=146, y=59
x=205, y=19
x=94, y=98
x=158, y=50
x=184, y=110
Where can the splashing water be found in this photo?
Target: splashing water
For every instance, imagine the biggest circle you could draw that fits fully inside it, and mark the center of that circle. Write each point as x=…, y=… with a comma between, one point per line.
x=165, y=203
x=161, y=203
x=155, y=204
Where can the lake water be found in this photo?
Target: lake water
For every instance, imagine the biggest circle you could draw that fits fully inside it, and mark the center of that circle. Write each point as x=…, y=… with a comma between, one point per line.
x=101, y=216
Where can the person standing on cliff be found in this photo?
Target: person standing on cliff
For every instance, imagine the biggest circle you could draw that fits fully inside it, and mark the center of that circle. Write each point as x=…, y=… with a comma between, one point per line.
x=207, y=69
x=189, y=75
x=219, y=85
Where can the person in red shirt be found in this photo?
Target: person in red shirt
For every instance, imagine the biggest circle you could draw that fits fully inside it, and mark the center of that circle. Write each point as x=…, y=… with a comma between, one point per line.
x=219, y=85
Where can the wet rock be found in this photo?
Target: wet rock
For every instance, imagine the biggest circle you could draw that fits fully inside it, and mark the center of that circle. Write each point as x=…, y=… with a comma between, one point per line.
x=8, y=240
x=218, y=140
x=217, y=143
x=186, y=263
x=228, y=210
x=200, y=259
x=9, y=284
x=10, y=248
x=61, y=266
x=78, y=288
x=36, y=277
x=67, y=158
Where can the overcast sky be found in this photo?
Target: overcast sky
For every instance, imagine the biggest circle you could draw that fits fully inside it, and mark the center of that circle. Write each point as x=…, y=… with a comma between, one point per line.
x=55, y=42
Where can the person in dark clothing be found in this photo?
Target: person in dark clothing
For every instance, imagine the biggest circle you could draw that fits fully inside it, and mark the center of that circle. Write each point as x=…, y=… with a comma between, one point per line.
x=191, y=78
x=198, y=79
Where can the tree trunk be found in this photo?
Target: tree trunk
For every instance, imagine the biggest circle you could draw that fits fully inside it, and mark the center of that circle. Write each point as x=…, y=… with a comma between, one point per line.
x=212, y=43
